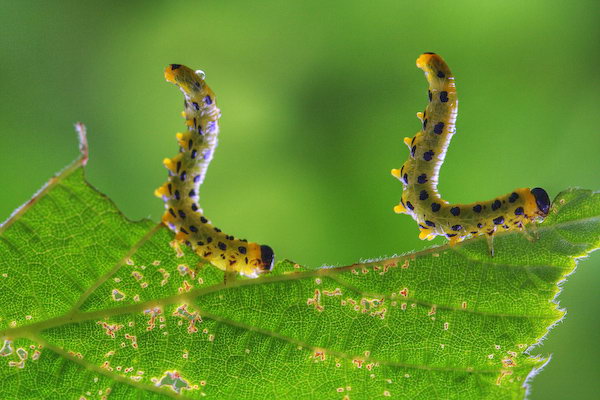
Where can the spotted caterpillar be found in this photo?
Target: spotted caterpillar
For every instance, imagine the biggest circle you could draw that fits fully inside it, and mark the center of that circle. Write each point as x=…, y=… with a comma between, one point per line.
x=183, y=214
x=419, y=174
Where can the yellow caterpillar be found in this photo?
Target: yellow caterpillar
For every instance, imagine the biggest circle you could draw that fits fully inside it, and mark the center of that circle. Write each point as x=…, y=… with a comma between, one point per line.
x=180, y=193
x=419, y=174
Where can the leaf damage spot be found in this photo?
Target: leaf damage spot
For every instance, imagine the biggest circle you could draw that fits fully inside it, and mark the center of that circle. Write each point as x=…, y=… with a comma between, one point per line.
x=14, y=364
x=372, y=306
x=185, y=270
x=165, y=276
x=509, y=363
x=319, y=355
x=175, y=246
x=192, y=317
x=185, y=287
x=174, y=381
x=503, y=374
x=133, y=340
x=370, y=366
x=6, y=349
x=22, y=354
x=388, y=265
x=336, y=292
x=316, y=301
x=137, y=276
x=117, y=295
x=110, y=329
x=153, y=312
x=385, y=267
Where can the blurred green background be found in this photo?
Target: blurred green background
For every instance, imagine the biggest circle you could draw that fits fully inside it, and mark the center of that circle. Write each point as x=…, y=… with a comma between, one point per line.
x=316, y=99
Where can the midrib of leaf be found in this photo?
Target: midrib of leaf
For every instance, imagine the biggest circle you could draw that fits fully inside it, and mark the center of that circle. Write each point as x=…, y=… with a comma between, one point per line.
x=76, y=316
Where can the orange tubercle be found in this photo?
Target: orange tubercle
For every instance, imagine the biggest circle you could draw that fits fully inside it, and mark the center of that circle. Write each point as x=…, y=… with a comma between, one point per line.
x=170, y=73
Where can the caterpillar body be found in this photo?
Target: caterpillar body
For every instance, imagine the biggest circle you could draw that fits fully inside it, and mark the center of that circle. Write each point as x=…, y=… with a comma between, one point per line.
x=419, y=174
x=187, y=169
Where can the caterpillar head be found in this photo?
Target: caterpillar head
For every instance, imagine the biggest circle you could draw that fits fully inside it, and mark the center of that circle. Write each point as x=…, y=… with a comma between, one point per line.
x=187, y=79
x=266, y=257
x=261, y=259
x=542, y=201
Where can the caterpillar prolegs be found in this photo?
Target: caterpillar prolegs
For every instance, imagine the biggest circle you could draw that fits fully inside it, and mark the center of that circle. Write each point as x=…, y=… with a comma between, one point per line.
x=419, y=174
x=187, y=169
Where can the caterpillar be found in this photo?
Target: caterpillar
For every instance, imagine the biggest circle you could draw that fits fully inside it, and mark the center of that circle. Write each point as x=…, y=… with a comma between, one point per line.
x=419, y=174
x=187, y=169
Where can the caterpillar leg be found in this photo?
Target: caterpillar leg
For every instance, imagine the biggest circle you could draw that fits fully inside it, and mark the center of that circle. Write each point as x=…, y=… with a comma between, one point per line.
x=530, y=232
x=454, y=240
x=399, y=209
x=490, y=243
x=229, y=276
x=426, y=234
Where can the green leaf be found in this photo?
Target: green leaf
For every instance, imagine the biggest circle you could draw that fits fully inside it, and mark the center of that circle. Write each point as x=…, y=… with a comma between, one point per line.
x=95, y=305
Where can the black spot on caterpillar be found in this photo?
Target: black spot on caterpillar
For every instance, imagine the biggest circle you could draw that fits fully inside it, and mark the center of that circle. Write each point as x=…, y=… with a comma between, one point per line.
x=187, y=169
x=419, y=174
